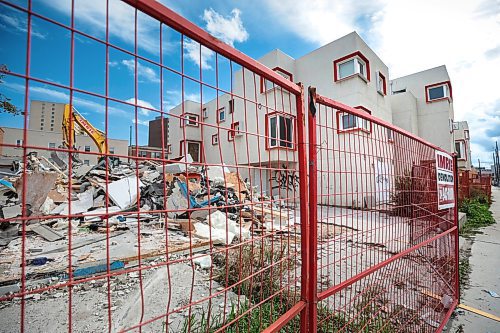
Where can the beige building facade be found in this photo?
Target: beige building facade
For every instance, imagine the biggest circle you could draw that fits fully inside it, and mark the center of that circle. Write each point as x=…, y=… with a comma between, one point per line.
x=44, y=134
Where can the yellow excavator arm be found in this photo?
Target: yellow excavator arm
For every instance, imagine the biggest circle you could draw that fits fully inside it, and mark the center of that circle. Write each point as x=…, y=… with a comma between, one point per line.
x=70, y=117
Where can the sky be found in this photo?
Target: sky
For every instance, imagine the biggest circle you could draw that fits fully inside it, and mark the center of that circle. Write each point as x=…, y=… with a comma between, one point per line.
x=409, y=36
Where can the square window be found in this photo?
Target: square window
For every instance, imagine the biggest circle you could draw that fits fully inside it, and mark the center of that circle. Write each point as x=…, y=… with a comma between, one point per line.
x=111, y=150
x=191, y=119
x=169, y=149
x=52, y=145
x=280, y=131
x=205, y=113
x=231, y=105
x=142, y=153
x=349, y=121
x=87, y=149
x=235, y=131
x=215, y=139
x=19, y=142
x=466, y=135
x=86, y=162
x=460, y=150
x=351, y=65
x=438, y=91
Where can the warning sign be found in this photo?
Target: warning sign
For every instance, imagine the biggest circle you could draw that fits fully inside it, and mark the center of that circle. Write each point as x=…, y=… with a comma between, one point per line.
x=445, y=180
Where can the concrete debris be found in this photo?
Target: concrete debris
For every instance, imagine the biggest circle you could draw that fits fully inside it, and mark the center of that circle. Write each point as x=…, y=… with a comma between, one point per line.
x=11, y=211
x=123, y=192
x=47, y=232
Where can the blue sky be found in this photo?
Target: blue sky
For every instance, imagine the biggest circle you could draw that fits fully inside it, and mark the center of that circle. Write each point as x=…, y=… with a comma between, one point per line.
x=408, y=37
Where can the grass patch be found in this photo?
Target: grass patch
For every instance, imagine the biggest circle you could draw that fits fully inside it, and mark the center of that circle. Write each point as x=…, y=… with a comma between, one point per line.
x=478, y=215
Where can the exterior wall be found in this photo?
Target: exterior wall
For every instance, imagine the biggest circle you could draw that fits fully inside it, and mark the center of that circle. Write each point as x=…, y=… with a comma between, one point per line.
x=155, y=132
x=465, y=162
x=43, y=138
x=146, y=151
x=433, y=116
x=45, y=116
x=405, y=112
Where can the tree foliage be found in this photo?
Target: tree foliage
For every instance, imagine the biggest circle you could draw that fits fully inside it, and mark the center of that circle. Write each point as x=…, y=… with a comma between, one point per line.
x=5, y=102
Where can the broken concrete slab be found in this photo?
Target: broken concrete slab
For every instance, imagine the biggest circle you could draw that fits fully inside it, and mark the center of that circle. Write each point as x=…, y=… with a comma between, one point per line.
x=46, y=232
x=123, y=192
x=10, y=212
x=38, y=185
x=177, y=203
x=202, y=230
x=83, y=204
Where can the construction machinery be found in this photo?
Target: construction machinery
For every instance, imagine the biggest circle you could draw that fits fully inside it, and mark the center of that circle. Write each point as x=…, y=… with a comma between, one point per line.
x=74, y=123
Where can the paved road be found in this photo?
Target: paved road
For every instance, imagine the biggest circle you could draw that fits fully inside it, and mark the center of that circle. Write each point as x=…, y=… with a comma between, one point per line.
x=485, y=265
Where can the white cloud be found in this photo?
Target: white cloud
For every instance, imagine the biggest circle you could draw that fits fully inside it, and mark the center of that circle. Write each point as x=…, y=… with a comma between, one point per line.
x=192, y=51
x=174, y=98
x=19, y=24
x=143, y=71
x=141, y=122
x=228, y=29
x=140, y=102
x=121, y=21
x=413, y=36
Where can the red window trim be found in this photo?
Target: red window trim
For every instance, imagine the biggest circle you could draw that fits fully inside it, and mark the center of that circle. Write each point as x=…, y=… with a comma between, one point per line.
x=218, y=112
x=169, y=149
x=268, y=137
x=215, y=136
x=195, y=141
x=232, y=133
x=262, y=85
x=352, y=55
x=384, y=88
x=357, y=129
x=230, y=106
x=465, y=150
x=450, y=98
x=185, y=123
x=466, y=137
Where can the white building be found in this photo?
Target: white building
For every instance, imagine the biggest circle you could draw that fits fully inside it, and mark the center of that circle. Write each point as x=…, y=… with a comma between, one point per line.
x=462, y=144
x=422, y=103
x=227, y=130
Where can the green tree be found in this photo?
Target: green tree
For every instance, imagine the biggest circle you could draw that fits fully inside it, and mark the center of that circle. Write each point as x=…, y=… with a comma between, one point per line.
x=5, y=104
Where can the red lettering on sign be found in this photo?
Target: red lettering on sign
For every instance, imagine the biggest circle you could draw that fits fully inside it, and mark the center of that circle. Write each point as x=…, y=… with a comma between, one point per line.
x=445, y=163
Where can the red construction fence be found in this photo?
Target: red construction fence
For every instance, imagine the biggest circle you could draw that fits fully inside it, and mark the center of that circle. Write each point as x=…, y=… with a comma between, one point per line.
x=265, y=207
x=473, y=185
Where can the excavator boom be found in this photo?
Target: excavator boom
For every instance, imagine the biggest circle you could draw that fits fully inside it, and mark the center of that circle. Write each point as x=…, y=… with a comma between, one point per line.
x=70, y=117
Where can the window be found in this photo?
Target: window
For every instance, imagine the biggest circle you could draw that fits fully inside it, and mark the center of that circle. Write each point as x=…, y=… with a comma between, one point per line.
x=52, y=145
x=221, y=115
x=86, y=162
x=205, y=113
x=438, y=91
x=381, y=84
x=193, y=149
x=19, y=142
x=231, y=106
x=280, y=131
x=155, y=154
x=466, y=135
x=395, y=92
x=142, y=153
x=215, y=139
x=169, y=149
x=87, y=149
x=460, y=150
x=41, y=128
x=235, y=131
x=190, y=119
x=390, y=135
x=350, y=65
x=266, y=85
x=111, y=150
x=349, y=122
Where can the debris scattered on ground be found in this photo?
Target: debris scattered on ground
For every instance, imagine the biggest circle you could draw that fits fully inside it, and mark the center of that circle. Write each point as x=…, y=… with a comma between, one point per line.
x=492, y=293
x=106, y=212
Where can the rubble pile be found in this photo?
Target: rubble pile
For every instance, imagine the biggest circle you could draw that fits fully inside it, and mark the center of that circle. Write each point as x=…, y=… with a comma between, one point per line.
x=114, y=208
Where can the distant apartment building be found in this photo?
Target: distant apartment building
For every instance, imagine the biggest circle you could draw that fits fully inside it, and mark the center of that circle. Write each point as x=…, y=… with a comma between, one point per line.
x=462, y=144
x=157, y=140
x=45, y=133
x=246, y=134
